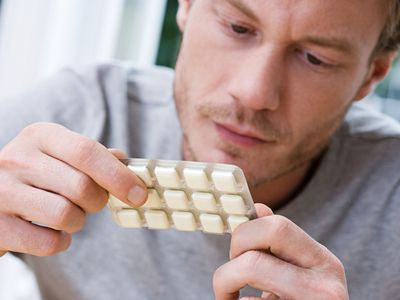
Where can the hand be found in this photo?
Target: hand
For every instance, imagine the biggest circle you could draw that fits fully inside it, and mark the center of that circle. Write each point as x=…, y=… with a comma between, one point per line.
x=274, y=255
x=52, y=176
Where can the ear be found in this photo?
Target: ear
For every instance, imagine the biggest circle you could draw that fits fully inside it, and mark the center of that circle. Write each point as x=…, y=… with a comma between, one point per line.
x=378, y=69
x=183, y=13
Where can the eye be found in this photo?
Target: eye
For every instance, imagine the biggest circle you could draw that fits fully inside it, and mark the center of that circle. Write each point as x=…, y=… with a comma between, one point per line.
x=314, y=60
x=239, y=29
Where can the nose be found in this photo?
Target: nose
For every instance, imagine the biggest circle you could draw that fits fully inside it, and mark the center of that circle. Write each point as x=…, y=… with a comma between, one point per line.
x=257, y=81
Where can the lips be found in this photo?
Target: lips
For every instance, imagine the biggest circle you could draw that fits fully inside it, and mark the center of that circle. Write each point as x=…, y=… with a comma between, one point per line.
x=239, y=136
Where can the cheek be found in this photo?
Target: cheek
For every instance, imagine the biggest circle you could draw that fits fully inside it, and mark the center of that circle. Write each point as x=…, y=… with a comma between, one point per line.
x=316, y=100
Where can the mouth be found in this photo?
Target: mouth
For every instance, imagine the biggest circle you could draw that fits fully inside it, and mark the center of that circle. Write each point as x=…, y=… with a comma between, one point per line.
x=239, y=136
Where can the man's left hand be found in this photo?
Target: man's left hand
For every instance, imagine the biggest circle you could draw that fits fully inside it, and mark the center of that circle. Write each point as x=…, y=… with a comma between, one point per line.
x=274, y=255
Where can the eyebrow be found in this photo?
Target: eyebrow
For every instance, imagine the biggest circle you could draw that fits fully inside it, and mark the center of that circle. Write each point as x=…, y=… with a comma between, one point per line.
x=339, y=44
x=243, y=8
x=335, y=43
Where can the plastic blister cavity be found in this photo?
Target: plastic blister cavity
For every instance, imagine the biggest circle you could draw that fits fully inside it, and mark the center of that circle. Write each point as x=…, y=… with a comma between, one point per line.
x=187, y=196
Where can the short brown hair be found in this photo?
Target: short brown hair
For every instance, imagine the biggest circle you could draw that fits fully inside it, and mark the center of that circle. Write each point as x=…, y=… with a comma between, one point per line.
x=389, y=39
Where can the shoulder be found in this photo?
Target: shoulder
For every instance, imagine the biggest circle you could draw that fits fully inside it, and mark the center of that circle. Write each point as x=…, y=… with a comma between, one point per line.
x=365, y=123
x=150, y=85
x=369, y=129
x=370, y=148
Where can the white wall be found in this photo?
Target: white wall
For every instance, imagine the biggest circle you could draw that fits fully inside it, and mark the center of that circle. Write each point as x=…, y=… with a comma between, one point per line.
x=38, y=37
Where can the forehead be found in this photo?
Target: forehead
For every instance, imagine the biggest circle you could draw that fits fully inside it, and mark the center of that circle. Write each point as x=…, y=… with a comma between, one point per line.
x=357, y=21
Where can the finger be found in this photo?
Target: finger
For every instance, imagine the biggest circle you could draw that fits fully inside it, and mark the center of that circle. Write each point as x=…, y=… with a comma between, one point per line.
x=91, y=158
x=265, y=296
x=48, y=173
x=2, y=253
x=42, y=207
x=261, y=271
x=118, y=153
x=24, y=237
x=269, y=296
x=280, y=237
x=263, y=210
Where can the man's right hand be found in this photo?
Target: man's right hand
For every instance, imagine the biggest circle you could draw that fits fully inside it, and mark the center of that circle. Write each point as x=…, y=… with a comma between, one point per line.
x=52, y=176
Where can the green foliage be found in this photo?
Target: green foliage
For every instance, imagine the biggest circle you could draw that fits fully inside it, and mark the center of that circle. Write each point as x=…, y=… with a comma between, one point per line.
x=170, y=37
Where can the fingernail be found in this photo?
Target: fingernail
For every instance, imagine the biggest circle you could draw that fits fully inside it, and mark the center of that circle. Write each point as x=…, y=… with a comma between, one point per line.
x=137, y=195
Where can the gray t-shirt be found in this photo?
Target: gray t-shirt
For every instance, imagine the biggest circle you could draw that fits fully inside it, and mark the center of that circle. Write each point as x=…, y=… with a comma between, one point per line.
x=351, y=205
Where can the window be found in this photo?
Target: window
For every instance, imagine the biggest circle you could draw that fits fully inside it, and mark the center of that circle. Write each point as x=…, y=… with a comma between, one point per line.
x=170, y=37
x=389, y=91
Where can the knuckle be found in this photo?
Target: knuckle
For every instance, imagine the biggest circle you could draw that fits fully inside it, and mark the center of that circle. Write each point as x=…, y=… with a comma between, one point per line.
x=63, y=214
x=218, y=279
x=100, y=203
x=251, y=260
x=335, y=291
x=11, y=158
x=280, y=225
x=52, y=244
x=83, y=186
x=36, y=128
x=237, y=240
x=78, y=225
x=33, y=129
x=338, y=267
x=85, y=150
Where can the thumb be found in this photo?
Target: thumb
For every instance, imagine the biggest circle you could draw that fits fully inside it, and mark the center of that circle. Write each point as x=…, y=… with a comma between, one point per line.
x=118, y=153
x=263, y=210
x=269, y=296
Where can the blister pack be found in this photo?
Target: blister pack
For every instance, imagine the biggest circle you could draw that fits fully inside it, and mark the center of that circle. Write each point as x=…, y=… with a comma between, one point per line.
x=187, y=196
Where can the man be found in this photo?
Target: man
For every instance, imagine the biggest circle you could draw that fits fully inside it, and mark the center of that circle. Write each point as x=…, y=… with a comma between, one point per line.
x=265, y=85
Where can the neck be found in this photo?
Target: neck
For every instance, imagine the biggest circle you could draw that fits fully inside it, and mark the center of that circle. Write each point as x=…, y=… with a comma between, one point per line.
x=283, y=189
x=279, y=191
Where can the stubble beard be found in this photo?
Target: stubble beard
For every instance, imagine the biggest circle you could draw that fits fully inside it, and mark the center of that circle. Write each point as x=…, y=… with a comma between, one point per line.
x=262, y=169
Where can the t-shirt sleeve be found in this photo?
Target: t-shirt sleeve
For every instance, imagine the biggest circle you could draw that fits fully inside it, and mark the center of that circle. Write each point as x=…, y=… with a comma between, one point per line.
x=71, y=99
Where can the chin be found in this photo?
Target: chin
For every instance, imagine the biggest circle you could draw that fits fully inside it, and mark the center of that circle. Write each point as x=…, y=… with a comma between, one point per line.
x=213, y=156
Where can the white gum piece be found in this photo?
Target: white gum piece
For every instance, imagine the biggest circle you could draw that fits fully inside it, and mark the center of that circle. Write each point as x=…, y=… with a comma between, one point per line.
x=184, y=221
x=235, y=221
x=153, y=200
x=233, y=204
x=167, y=177
x=176, y=199
x=205, y=202
x=212, y=223
x=156, y=219
x=224, y=181
x=129, y=218
x=143, y=173
x=196, y=179
x=114, y=202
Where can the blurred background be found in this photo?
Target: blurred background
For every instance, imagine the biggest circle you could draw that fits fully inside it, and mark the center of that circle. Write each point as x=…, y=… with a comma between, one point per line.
x=38, y=37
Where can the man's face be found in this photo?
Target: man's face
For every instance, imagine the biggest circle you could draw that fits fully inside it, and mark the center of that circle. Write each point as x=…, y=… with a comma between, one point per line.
x=263, y=84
